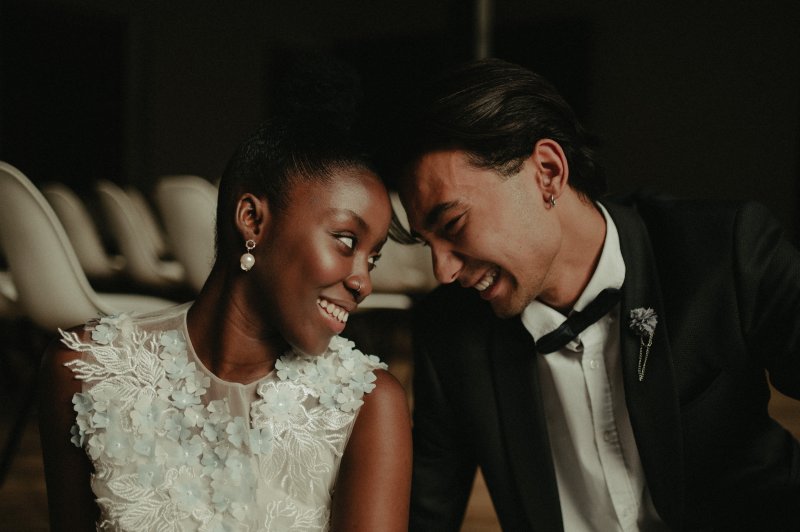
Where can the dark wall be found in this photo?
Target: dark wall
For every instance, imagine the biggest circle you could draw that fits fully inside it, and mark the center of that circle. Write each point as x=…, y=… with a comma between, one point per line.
x=62, y=91
x=698, y=98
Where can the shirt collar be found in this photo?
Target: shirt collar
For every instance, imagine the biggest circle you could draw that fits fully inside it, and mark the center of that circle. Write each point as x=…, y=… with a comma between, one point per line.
x=539, y=319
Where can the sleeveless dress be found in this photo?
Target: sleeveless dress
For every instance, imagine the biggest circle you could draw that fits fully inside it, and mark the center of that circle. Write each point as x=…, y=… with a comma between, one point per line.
x=176, y=448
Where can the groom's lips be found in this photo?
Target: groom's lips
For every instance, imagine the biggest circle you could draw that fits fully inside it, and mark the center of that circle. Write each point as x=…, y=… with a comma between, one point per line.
x=486, y=285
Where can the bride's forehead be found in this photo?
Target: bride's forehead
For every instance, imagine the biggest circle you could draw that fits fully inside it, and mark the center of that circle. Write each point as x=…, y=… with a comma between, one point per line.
x=338, y=185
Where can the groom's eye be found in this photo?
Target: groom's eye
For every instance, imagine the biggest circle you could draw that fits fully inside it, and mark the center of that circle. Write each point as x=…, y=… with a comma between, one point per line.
x=451, y=227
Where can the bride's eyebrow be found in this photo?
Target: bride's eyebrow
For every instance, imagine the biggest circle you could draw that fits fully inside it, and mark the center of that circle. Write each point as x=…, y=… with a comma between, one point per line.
x=350, y=215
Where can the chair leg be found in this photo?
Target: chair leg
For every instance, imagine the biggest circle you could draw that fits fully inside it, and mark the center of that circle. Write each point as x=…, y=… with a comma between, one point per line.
x=18, y=428
x=30, y=344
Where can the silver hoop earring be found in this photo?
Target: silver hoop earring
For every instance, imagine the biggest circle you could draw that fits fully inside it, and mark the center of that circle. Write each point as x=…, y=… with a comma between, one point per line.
x=247, y=260
x=552, y=201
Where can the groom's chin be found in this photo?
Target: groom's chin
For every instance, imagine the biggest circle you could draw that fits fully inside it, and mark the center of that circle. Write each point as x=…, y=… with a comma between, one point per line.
x=506, y=309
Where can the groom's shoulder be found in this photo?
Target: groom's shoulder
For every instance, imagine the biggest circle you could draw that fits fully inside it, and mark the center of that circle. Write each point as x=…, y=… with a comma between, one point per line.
x=665, y=213
x=645, y=200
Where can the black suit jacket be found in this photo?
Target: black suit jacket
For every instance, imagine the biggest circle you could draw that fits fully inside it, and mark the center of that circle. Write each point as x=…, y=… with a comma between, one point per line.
x=726, y=287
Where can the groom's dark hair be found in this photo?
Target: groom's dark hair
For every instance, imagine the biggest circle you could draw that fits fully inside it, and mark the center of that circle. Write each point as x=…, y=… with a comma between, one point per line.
x=495, y=111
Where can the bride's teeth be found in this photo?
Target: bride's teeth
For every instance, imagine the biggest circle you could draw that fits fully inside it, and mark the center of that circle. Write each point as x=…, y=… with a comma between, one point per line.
x=333, y=310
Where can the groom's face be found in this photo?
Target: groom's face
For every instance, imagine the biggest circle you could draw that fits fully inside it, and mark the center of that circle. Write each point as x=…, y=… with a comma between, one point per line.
x=489, y=232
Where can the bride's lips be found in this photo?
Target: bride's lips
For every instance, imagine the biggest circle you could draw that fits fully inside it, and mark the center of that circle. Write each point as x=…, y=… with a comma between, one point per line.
x=335, y=314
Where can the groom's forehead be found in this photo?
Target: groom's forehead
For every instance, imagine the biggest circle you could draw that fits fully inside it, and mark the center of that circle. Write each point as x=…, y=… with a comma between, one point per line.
x=424, y=200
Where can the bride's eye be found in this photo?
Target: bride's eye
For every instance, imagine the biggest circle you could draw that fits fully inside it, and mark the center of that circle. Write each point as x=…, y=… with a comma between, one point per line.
x=348, y=241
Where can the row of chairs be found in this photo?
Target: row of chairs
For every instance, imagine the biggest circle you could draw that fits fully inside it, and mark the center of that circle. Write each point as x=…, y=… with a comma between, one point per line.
x=187, y=205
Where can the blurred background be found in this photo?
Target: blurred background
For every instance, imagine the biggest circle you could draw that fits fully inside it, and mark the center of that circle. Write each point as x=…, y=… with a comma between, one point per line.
x=695, y=98
x=699, y=98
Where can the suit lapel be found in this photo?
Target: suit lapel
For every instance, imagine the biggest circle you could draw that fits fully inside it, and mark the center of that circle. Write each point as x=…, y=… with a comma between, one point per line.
x=652, y=403
x=523, y=424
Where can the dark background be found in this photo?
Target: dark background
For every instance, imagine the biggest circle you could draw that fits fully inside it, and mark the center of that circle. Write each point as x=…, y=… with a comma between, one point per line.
x=696, y=98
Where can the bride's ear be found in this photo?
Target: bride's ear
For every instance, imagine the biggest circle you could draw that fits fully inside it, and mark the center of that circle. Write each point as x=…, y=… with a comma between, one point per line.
x=252, y=217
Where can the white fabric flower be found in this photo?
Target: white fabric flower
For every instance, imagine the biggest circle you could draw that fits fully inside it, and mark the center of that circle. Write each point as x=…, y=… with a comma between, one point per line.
x=261, y=440
x=104, y=334
x=190, y=493
x=173, y=342
x=280, y=400
x=182, y=399
x=237, y=431
x=150, y=475
x=147, y=414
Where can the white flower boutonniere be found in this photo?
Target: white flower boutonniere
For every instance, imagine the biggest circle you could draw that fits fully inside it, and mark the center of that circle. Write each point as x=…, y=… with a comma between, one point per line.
x=643, y=324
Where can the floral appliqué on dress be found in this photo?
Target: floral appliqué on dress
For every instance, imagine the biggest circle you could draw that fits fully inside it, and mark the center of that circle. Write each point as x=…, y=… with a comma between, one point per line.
x=168, y=458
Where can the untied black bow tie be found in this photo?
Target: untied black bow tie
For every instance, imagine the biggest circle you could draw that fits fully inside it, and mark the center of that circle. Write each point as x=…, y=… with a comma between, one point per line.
x=577, y=322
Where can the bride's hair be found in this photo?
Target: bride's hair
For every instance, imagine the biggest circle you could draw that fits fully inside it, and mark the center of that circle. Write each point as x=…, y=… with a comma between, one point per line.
x=311, y=134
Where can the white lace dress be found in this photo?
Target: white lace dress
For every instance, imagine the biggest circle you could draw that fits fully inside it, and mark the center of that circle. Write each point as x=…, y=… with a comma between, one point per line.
x=176, y=448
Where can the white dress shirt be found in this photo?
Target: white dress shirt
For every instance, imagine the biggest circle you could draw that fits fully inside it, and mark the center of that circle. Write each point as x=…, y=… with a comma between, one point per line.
x=601, y=482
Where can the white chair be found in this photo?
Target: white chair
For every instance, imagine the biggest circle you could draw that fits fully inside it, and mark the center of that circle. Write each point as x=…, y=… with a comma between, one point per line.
x=51, y=288
x=403, y=268
x=403, y=271
x=8, y=297
x=150, y=225
x=188, y=206
x=82, y=233
x=142, y=261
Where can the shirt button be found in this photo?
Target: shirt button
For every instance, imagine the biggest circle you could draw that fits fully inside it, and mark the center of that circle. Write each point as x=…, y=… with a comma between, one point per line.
x=609, y=436
x=594, y=364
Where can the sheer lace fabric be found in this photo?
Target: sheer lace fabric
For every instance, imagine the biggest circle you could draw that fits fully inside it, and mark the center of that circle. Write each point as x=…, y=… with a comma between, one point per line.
x=176, y=448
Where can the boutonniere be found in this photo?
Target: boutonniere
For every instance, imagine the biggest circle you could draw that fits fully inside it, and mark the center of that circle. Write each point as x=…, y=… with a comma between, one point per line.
x=643, y=324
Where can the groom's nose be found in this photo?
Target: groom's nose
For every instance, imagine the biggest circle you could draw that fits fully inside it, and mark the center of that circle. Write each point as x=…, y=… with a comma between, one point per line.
x=446, y=264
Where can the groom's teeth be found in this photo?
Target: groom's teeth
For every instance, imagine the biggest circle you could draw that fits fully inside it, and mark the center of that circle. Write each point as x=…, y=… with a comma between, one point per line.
x=333, y=310
x=486, y=281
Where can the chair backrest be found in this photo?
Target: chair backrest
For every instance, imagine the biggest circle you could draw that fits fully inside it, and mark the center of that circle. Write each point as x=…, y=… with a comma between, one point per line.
x=82, y=232
x=142, y=260
x=51, y=286
x=9, y=308
x=188, y=205
x=150, y=225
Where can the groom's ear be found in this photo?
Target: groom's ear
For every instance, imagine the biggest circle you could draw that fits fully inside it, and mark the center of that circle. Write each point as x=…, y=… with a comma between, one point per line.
x=551, y=167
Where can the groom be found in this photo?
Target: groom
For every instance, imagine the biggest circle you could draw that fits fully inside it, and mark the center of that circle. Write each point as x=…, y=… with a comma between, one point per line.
x=602, y=362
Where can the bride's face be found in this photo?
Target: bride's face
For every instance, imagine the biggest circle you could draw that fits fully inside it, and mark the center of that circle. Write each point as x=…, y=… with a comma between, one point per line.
x=317, y=251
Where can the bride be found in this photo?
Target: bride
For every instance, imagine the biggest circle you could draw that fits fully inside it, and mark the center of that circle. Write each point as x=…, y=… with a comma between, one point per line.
x=244, y=410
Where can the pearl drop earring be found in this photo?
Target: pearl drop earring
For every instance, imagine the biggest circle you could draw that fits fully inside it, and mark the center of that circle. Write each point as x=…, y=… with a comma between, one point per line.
x=247, y=260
